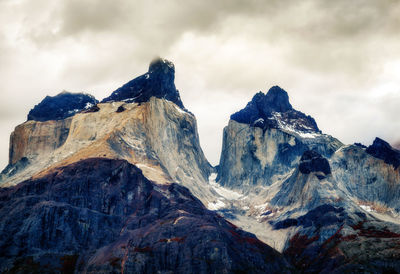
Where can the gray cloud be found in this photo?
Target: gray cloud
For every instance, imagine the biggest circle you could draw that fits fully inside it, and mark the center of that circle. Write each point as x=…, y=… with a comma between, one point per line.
x=338, y=60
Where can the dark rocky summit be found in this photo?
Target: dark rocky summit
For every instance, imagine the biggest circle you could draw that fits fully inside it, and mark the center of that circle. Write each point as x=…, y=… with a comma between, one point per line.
x=312, y=161
x=273, y=110
x=61, y=106
x=103, y=215
x=158, y=82
x=382, y=150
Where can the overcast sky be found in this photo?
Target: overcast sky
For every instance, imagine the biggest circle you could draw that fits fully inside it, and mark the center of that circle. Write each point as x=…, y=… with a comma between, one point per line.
x=338, y=60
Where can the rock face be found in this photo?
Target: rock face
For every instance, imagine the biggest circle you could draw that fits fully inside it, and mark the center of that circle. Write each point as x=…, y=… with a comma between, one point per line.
x=158, y=82
x=102, y=215
x=273, y=110
x=375, y=183
x=32, y=138
x=266, y=139
x=61, y=106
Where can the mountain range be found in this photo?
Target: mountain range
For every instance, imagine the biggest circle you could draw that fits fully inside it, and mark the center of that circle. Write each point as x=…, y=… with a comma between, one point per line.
x=122, y=185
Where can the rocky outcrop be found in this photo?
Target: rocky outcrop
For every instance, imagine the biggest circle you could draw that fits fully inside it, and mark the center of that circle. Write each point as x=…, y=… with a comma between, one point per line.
x=158, y=82
x=103, y=215
x=382, y=150
x=308, y=186
x=312, y=161
x=61, y=106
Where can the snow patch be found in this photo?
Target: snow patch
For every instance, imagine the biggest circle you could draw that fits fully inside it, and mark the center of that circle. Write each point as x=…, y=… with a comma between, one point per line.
x=179, y=109
x=259, y=120
x=141, y=166
x=224, y=192
x=216, y=205
x=88, y=105
x=367, y=208
x=262, y=206
x=290, y=128
x=73, y=111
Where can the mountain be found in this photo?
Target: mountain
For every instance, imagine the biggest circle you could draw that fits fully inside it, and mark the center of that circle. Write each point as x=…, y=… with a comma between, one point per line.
x=157, y=135
x=119, y=186
x=266, y=139
x=123, y=186
x=273, y=110
x=325, y=205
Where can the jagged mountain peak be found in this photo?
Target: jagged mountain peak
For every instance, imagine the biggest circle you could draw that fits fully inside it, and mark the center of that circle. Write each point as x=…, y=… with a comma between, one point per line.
x=273, y=110
x=383, y=150
x=157, y=82
x=61, y=106
x=278, y=99
x=161, y=65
